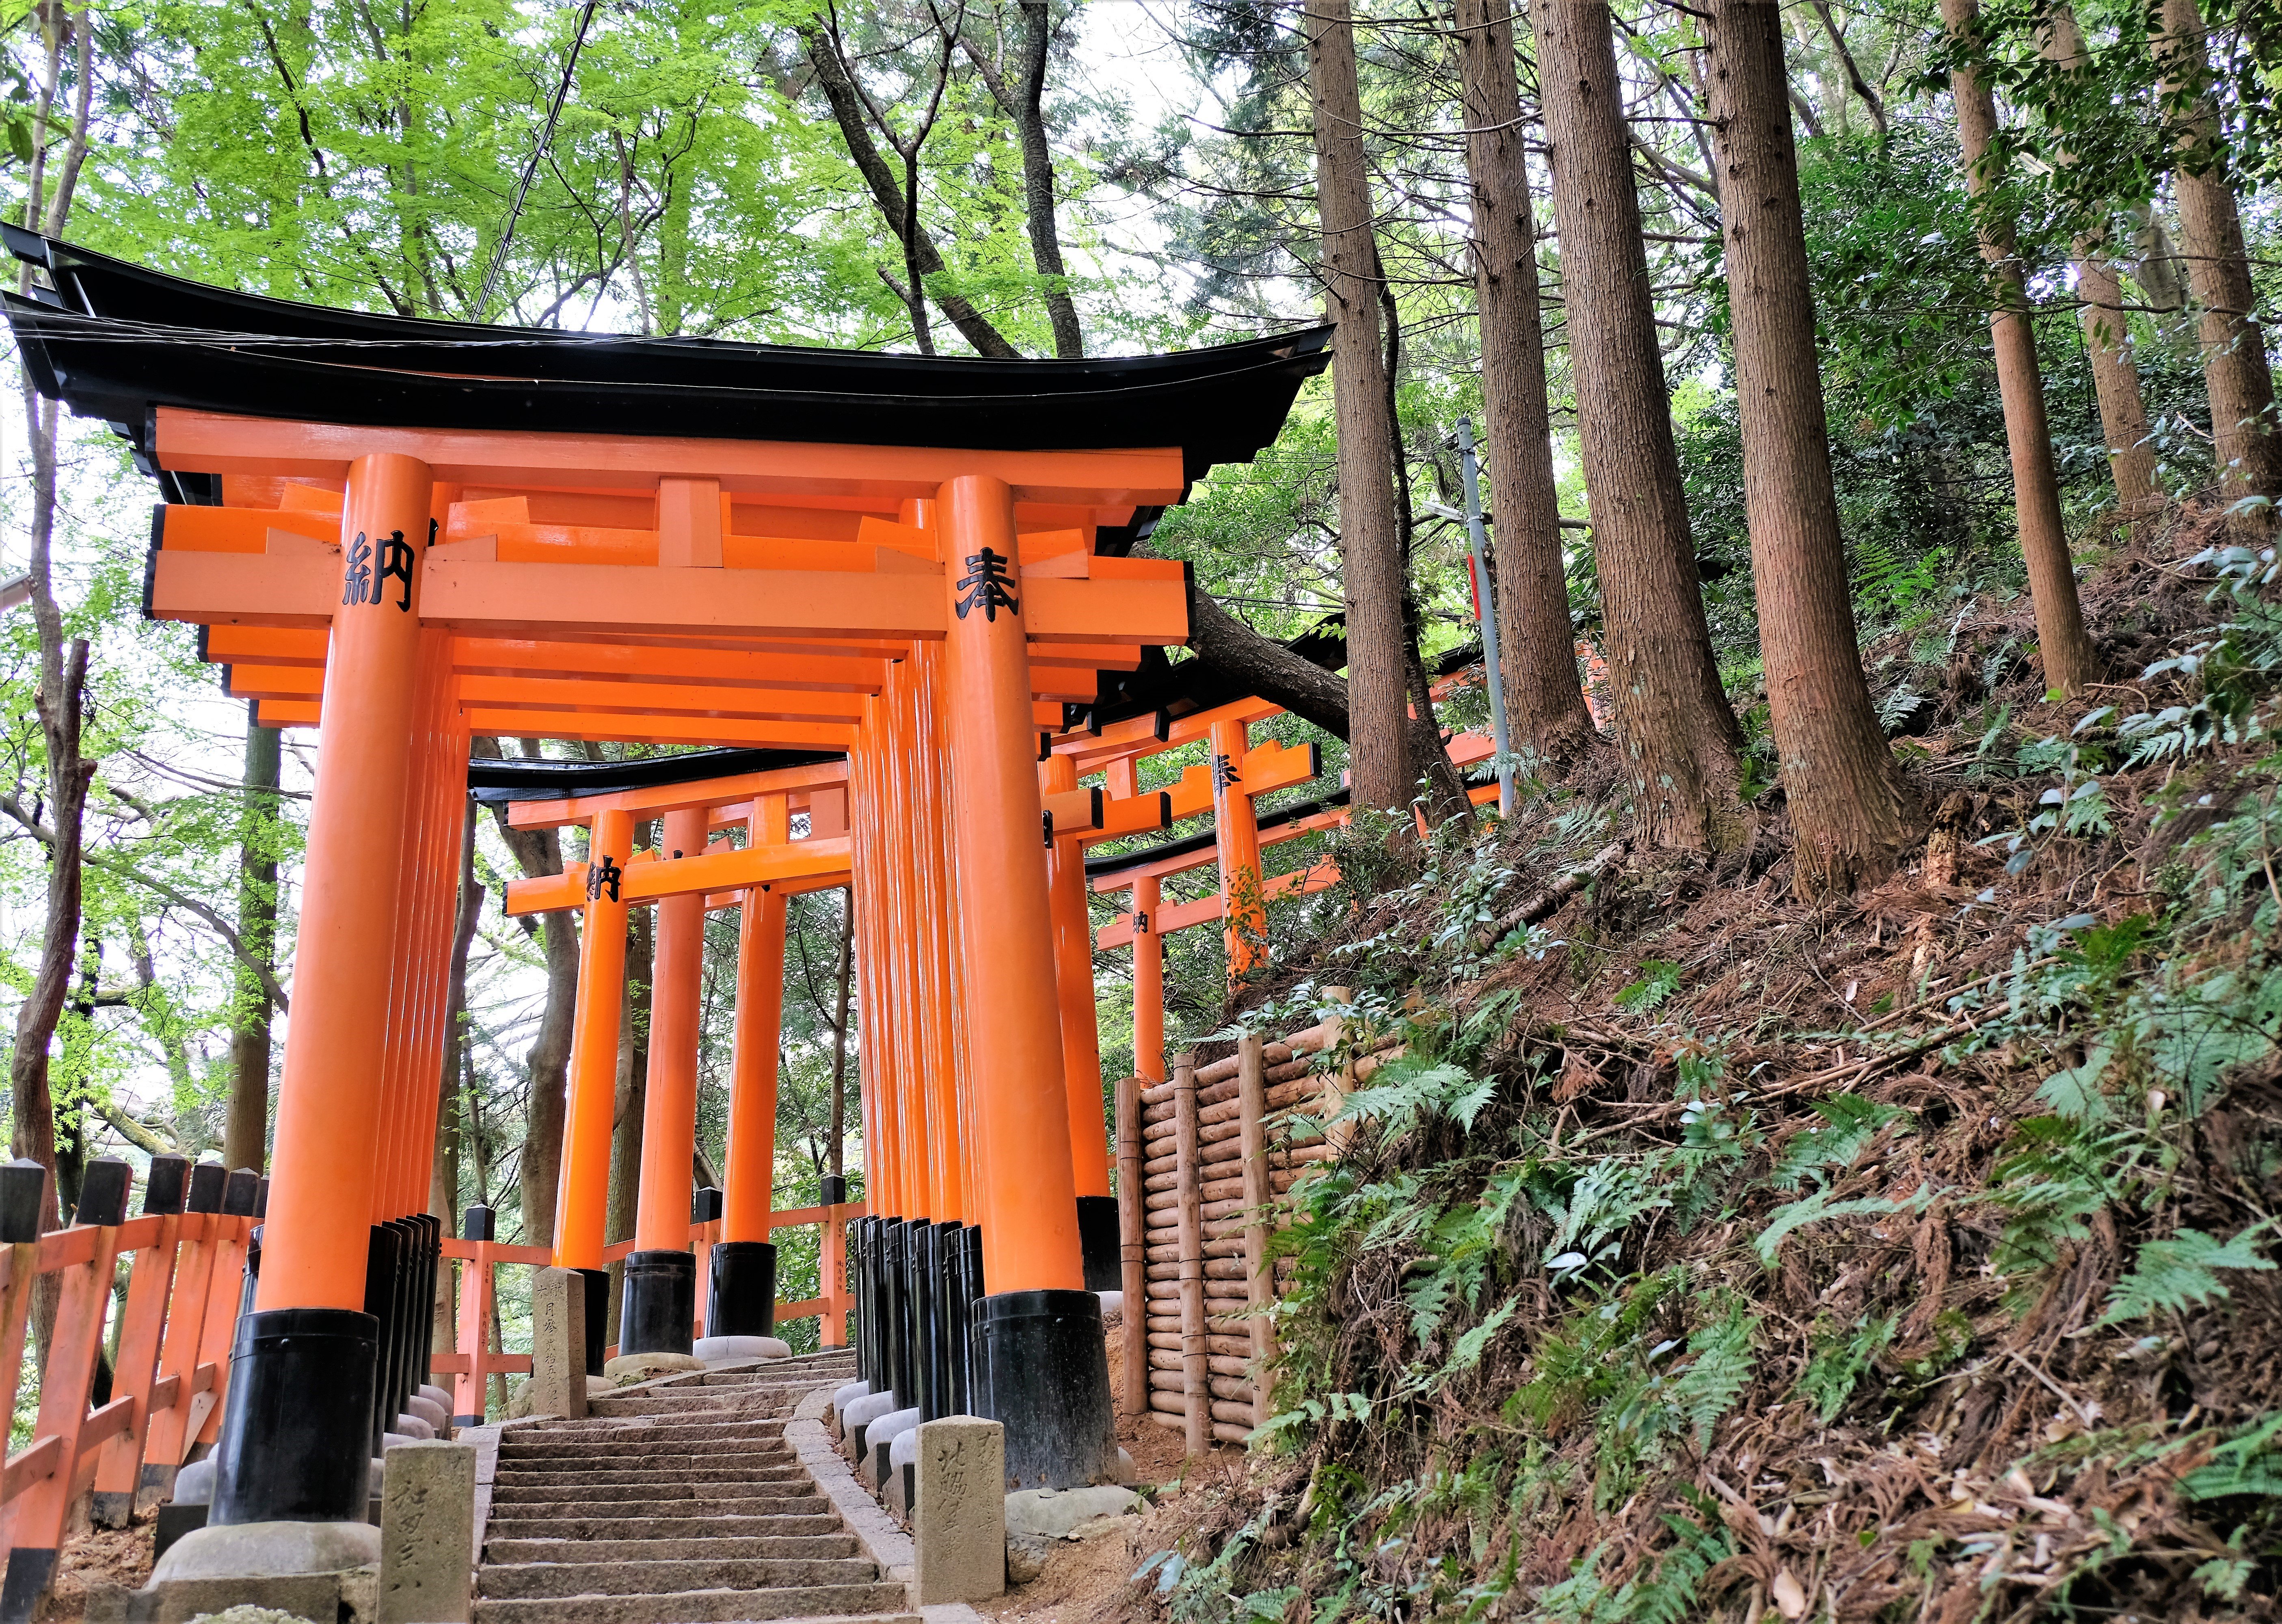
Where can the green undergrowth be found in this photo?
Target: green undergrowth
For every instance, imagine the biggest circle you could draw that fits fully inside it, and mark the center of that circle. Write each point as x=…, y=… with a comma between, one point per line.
x=1709, y=1254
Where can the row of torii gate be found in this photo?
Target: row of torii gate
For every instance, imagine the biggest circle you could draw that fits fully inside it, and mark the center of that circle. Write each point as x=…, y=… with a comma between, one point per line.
x=406, y=532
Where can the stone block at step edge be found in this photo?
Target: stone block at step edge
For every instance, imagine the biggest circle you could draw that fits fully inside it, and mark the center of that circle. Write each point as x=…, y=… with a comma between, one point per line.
x=627, y=1369
x=958, y=1513
x=427, y=1535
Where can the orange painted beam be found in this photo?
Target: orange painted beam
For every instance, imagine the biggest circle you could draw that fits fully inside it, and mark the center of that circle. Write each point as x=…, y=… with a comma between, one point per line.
x=1208, y=910
x=721, y=870
x=1331, y=818
x=1124, y=815
x=658, y=699
x=216, y=442
x=499, y=656
x=651, y=803
x=264, y=645
x=1266, y=768
x=1144, y=736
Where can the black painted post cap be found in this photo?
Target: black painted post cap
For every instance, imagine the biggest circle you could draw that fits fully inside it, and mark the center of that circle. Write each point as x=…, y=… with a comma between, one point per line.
x=103, y=1190
x=23, y=1193
x=169, y=1183
x=206, y=1181
x=479, y=1224
x=238, y=1192
x=704, y=1205
x=836, y=1191
x=261, y=1199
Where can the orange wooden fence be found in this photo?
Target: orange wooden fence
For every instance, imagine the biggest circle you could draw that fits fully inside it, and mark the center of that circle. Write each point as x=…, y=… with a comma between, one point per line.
x=185, y=1274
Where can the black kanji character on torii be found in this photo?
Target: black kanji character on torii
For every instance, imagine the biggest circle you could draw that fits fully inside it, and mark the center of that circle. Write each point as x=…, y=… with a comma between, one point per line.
x=985, y=585
x=356, y=578
x=1224, y=773
x=605, y=872
x=395, y=560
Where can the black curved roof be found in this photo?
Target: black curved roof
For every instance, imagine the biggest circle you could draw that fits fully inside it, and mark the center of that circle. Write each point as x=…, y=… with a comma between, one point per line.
x=115, y=340
x=496, y=782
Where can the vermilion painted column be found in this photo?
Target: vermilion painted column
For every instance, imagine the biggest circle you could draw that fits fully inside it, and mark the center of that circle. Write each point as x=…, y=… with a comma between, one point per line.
x=582, y=1193
x=1040, y=1364
x=1148, y=982
x=742, y=1295
x=1097, y=1210
x=1236, y=831
x=295, y=1436
x=661, y=1278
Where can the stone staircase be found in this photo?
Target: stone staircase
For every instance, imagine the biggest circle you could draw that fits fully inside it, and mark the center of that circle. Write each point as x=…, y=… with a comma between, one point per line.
x=675, y=1503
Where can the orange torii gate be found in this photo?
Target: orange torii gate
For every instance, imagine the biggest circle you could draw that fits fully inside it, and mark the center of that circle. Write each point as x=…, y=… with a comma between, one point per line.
x=406, y=531
x=758, y=879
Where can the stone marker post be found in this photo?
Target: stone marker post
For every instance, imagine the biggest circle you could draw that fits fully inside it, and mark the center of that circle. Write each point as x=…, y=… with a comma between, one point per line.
x=428, y=1531
x=558, y=1344
x=959, y=1522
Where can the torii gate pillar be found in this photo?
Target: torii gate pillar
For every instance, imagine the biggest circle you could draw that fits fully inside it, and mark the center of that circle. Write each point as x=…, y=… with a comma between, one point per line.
x=295, y=1443
x=1040, y=1366
x=742, y=1297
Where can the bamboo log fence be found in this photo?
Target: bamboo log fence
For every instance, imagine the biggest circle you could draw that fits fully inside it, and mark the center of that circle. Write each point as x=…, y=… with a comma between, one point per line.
x=1206, y=1163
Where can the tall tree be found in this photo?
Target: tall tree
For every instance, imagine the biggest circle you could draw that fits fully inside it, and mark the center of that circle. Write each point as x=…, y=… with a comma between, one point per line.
x=1680, y=743
x=444, y=1168
x=539, y=852
x=61, y=699
x=1544, y=700
x=2100, y=313
x=2062, y=644
x=1021, y=95
x=1849, y=809
x=1370, y=540
x=858, y=113
x=2245, y=430
x=245, y=1134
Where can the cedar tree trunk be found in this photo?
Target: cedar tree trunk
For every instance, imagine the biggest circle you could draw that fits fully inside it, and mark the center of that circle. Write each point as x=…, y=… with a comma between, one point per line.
x=2246, y=438
x=1849, y=809
x=2062, y=644
x=1378, y=754
x=444, y=1167
x=245, y=1134
x=2107, y=331
x=632, y=1089
x=538, y=852
x=1544, y=701
x=1682, y=746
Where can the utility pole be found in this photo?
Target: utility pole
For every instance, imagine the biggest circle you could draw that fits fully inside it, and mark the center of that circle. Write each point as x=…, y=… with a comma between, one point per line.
x=1484, y=605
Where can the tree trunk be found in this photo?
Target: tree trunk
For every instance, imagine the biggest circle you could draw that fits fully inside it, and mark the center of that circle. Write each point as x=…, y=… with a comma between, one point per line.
x=2107, y=331
x=1378, y=754
x=845, y=973
x=632, y=1088
x=59, y=702
x=888, y=194
x=1849, y=810
x=2062, y=644
x=547, y=1065
x=1028, y=113
x=246, y=1136
x=444, y=1170
x=1677, y=731
x=2245, y=435
x=1544, y=701
x=1264, y=666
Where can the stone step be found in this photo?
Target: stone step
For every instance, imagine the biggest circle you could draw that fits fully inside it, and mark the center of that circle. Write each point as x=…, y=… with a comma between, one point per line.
x=751, y=1433
x=837, y=1602
x=698, y=1402
x=649, y=1467
x=672, y=1576
x=607, y=1525
x=666, y=1492
x=586, y=1506
x=828, y=1541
